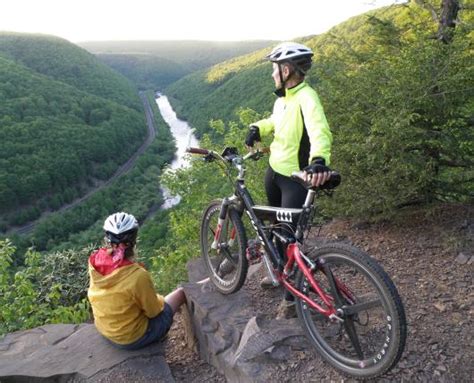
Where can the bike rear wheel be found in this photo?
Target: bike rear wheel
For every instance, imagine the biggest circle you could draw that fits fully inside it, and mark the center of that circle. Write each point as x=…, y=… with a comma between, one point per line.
x=371, y=339
x=225, y=260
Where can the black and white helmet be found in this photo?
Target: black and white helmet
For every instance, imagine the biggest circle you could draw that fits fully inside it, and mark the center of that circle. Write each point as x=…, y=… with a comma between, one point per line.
x=298, y=54
x=121, y=228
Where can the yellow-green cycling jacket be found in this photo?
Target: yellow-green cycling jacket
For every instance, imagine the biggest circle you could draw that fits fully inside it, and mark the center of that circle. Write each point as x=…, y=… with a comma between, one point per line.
x=301, y=131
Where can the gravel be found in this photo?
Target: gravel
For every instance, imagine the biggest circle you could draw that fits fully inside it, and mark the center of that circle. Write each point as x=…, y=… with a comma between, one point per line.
x=420, y=250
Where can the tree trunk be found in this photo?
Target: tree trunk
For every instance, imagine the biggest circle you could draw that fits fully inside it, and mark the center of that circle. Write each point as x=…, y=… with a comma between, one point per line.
x=447, y=20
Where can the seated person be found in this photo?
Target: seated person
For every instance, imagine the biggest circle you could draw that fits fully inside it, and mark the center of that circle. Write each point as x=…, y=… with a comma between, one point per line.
x=127, y=310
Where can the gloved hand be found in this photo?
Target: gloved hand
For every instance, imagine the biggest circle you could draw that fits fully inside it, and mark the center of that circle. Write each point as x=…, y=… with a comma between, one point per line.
x=317, y=165
x=317, y=173
x=252, y=136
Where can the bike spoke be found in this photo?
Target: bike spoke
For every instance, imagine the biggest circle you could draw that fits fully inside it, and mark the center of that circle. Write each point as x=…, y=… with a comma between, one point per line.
x=332, y=284
x=229, y=255
x=352, y=333
x=362, y=306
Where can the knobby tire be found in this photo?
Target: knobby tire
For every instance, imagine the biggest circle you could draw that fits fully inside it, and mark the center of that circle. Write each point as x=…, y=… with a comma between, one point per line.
x=372, y=338
x=234, y=277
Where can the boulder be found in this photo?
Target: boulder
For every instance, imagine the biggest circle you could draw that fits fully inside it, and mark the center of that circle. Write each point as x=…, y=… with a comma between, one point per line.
x=243, y=344
x=77, y=353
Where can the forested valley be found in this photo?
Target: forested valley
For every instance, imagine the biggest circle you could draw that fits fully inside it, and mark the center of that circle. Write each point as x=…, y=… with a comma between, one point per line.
x=396, y=87
x=157, y=64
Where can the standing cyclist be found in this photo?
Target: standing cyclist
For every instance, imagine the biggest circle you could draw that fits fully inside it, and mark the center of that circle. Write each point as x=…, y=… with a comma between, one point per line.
x=302, y=139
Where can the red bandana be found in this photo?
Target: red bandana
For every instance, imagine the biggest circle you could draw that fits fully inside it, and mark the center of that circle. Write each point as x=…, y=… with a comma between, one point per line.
x=106, y=261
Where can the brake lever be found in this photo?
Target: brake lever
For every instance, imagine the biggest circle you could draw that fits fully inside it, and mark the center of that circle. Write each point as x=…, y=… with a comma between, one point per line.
x=257, y=155
x=209, y=158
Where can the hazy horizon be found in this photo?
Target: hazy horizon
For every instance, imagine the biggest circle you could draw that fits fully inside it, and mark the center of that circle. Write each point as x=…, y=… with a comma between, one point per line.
x=179, y=20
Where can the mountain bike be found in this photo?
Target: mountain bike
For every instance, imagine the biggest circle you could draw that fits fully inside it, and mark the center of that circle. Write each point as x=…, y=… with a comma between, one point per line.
x=348, y=306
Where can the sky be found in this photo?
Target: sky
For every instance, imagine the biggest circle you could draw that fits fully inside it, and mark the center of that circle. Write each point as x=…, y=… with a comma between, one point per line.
x=221, y=20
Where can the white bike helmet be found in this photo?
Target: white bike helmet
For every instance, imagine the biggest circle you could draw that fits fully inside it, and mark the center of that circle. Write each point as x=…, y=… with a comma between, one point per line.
x=121, y=228
x=297, y=54
x=288, y=51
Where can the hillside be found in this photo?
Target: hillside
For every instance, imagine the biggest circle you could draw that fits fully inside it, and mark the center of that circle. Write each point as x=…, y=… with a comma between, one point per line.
x=63, y=61
x=144, y=70
x=397, y=100
x=156, y=64
x=245, y=81
x=66, y=120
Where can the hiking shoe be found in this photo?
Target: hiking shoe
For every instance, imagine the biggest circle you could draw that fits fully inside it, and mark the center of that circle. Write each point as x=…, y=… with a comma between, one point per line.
x=225, y=268
x=286, y=310
x=266, y=283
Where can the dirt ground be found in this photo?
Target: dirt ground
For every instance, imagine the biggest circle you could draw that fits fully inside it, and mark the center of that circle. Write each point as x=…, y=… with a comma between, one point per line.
x=430, y=257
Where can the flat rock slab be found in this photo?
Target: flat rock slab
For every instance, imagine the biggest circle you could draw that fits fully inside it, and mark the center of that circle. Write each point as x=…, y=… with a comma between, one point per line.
x=242, y=344
x=77, y=353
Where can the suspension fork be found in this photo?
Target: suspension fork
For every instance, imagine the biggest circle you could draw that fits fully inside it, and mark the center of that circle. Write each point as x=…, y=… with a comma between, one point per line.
x=294, y=255
x=221, y=224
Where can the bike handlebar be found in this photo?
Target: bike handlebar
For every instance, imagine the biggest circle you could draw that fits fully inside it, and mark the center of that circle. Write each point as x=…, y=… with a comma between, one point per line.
x=253, y=154
x=197, y=151
x=299, y=177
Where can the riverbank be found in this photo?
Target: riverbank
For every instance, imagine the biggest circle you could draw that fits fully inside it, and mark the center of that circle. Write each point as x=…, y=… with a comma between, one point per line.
x=183, y=136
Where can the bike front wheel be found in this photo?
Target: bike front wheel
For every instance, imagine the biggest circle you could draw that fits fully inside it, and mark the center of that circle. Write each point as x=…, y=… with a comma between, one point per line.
x=224, y=254
x=369, y=338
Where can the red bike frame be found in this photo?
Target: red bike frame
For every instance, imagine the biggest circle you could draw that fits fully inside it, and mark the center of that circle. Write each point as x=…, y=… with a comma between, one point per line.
x=294, y=255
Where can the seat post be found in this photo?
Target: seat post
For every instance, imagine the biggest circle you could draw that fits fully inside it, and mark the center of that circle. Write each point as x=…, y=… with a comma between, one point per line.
x=309, y=199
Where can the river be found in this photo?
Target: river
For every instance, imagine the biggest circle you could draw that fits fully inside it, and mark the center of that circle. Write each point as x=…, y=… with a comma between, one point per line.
x=181, y=132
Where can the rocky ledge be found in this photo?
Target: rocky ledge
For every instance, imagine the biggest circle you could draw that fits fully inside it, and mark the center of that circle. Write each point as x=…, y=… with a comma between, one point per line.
x=226, y=331
x=76, y=353
x=244, y=344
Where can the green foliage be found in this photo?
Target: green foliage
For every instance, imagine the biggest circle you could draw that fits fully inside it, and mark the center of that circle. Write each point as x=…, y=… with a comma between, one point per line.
x=49, y=289
x=62, y=61
x=398, y=101
x=136, y=192
x=197, y=186
x=57, y=139
x=146, y=71
x=401, y=118
x=198, y=100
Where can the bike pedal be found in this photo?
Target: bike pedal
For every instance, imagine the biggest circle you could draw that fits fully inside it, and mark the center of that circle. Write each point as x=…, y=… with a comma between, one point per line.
x=254, y=252
x=253, y=258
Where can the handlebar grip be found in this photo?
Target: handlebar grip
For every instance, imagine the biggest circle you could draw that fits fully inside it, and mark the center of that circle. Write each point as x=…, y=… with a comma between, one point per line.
x=197, y=151
x=333, y=182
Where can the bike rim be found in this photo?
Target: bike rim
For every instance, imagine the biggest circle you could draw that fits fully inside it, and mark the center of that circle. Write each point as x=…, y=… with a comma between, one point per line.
x=229, y=246
x=374, y=327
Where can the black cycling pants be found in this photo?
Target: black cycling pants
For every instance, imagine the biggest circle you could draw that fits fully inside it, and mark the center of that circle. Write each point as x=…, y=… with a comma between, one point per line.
x=282, y=191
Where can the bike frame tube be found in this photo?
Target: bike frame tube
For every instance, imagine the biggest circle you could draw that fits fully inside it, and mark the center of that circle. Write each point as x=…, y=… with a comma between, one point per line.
x=244, y=195
x=294, y=255
x=218, y=232
x=293, y=252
